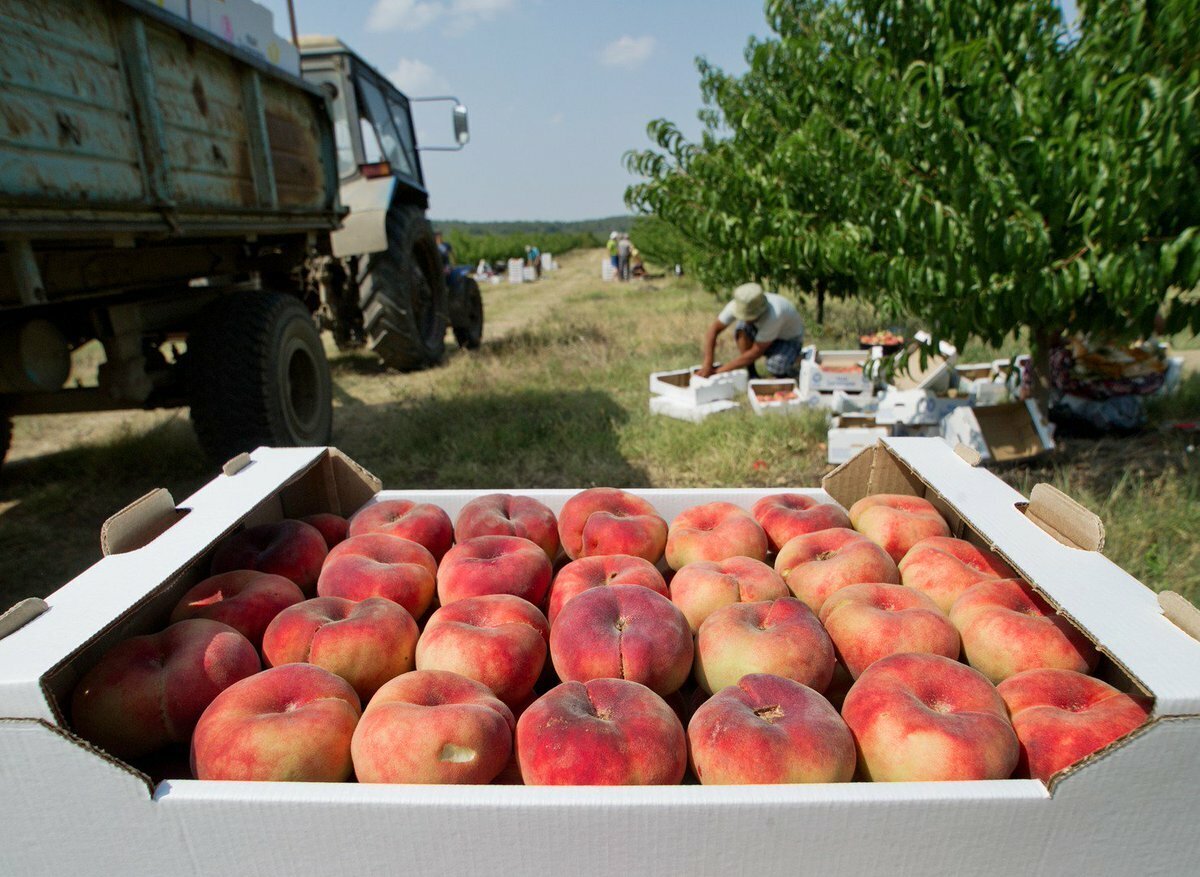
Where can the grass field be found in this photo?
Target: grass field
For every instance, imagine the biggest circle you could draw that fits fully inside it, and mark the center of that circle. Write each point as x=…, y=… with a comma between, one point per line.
x=557, y=397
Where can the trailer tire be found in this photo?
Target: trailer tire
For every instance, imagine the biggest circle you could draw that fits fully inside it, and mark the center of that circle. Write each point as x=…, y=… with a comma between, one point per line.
x=257, y=375
x=466, y=314
x=403, y=295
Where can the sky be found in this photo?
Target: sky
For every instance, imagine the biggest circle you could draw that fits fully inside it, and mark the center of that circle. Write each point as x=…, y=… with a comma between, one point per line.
x=558, y=90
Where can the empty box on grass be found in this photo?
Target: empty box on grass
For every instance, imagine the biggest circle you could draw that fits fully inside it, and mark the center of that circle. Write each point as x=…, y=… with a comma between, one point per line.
x=686, y=385
x=1004, y=433
x=776, y=396
x=68, y=808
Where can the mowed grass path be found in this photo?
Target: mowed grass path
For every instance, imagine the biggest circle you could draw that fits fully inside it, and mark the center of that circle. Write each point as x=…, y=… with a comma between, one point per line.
x=556, y=397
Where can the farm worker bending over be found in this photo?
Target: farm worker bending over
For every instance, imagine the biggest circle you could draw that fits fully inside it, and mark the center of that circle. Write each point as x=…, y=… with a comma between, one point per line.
x=767, y=325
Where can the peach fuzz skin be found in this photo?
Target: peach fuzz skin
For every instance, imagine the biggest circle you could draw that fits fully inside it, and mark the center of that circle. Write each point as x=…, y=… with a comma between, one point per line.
x=594, y=572
x=494, y=565
x=289, y=548
x=921, y=718
x=366, y=643
x=289, y=723
x=432, y=726
x=714, y=531
x=1062, y=717
x=785, y=516
x=604, y=520
x=148, y=691
x=870, y=621
x=767, y=729
x=422, y=523
x=622, y=632
x=604, y=732
x=701, y=588
x=244, y=599
x=780, y=637
x=1006, y=627
x=379, y=565
x=333, y=527
x=818, y=564
x=943, y=568
x=502, y=514
x=499, y=640
x=896, y=522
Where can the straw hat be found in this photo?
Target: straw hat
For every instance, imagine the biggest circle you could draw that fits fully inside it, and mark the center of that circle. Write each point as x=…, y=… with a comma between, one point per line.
x=749, y=301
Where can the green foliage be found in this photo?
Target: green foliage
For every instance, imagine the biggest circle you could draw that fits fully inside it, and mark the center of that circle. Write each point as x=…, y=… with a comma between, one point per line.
x=470, y=248
x=661, y=243
x=969, y=165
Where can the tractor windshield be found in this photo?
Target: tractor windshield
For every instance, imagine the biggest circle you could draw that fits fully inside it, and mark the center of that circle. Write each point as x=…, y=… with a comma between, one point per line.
x=393, y=127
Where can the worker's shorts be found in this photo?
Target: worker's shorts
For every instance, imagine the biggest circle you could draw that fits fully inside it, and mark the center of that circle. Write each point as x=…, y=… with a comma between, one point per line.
x=782, y=355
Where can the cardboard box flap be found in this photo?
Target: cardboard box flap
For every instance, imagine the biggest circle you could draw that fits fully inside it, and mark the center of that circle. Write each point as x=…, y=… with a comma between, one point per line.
x=1094, y=593
x=1064, y=518
x=139, y=523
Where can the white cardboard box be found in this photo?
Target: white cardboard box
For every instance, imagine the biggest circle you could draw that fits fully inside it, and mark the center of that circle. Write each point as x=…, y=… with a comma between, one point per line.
x=685, y=409
x=686, y=385
x=843, y=442
x=67, y=808
x=766, y=405
x=828, y=370
x=1005, y=432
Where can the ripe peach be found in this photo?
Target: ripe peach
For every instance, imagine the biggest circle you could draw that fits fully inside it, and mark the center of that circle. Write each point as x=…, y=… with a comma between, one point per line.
x=499, y=640
x=867, y=622
x=494, y=565
x=1007, y=627
x=604, y=732
x=622, y=632
x=701, y=588
x=1062, y=717
x=781, y=637
x=244, y=599
x=896, y=521
x=432, y=726
x=943, y=568
x=927, y=718
x=714, y=531
x=379, y=565
x=366, y=643
x=606, y=569
x=289, y=723
x=292, y=549
x=767, y=729
x=149, y=691
x=785, y=516
x=501, y=514
x=604, y=520
x=816, y=564
x=333, y=527
x=422, y=523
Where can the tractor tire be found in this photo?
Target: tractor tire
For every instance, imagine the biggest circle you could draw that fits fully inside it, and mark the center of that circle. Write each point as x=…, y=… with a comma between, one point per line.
x=466, y=314
x=403, y=295
x=257, y=375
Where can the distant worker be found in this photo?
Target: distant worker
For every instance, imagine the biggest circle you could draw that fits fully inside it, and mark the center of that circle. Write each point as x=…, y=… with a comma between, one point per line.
x=624, y=248
x=767, y=325
x=637, y=268
x=535, y=261
x=446, y=251
x=612, y=251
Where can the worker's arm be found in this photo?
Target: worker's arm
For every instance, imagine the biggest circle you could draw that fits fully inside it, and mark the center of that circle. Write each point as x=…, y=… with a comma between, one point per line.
x=742, y=360
x=710, y=346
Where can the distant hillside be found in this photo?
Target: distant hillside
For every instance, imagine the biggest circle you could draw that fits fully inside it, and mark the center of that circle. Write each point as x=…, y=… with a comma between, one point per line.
x=598, y=227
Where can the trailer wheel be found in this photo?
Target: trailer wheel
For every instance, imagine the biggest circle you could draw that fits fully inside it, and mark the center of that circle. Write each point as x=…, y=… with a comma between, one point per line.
x=257, y=375
x=403, y=295
x=466, y=314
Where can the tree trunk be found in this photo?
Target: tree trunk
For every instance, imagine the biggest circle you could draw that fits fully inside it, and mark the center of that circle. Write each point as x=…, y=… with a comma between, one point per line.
x=1044, y=340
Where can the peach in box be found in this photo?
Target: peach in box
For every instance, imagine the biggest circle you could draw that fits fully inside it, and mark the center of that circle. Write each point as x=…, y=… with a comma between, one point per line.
x=701, y=588
x=896, y=521
x=1007, y=627
x=422, y=523
x=333, y=527
x=1062, y=717
x=817, y=564
x=501, y=514
x=622, y=632
x=594, y=572
x=604, y=520
x=292, y=723
x=785, y=516
x=499, y=640
x=149, y=691
x=379, y=565
x=943, y=568
x=767, y=729
x=292, y=549
x=494, y=565
x=604, y=732
x=923, y=718
x=244, y=599
x=432, y=726
x=714, y=531
x=366, y=643
x=781, y=637
x=870, y=621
